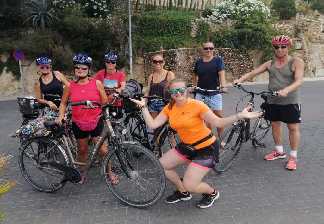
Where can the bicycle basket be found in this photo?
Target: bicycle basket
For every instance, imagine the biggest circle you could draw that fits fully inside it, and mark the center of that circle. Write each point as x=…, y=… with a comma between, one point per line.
x=34, y=128
x=28, y=107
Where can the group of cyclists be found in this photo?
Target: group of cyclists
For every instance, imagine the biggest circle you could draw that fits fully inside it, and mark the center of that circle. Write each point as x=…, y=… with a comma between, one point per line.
x=192, y=119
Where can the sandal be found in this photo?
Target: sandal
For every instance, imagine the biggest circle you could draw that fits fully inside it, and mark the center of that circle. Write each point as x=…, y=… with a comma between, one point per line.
x=113, y=178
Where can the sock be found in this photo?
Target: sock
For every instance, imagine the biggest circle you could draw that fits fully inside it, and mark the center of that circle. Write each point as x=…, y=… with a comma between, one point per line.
x=279, y=148
x=293, y=153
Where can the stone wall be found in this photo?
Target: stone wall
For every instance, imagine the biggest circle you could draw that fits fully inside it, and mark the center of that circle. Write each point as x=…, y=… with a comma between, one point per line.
x=181, y=62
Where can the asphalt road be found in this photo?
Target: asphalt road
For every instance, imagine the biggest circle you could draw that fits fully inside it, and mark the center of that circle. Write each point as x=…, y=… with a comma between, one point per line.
x=252, y=191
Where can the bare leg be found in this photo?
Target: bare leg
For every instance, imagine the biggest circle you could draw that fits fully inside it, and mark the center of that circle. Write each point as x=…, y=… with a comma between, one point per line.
x=294, y=135
x=219, y=113
x=192, y=180
x=83, y=151
x=276, y=132
x=169, y=162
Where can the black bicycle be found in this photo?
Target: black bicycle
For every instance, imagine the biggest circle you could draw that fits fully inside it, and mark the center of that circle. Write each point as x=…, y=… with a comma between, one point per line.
x=47, y=163
x=243, y=131
x=163, y=136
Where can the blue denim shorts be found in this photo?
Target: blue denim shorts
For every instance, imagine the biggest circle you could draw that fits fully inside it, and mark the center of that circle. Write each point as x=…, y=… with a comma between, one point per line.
x=156, y=105
x=214, y=102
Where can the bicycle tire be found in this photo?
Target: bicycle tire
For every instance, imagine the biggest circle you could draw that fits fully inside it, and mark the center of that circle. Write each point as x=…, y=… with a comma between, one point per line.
x=232, y=138
x=260, y=130
x=43, y=150
x=141, y=178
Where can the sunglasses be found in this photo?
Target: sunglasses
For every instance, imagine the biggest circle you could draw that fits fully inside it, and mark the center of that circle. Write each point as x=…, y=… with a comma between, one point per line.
x=282, y=47
x=44, y=67
x=177, y=90
x=80, y=68
x=111, y=62
x=208, y=48
x=158, y=61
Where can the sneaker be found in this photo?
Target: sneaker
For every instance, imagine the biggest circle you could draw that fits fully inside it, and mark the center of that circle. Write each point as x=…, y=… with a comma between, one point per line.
x=178, y=196
x=292, y=163
x=273, y=155
x=208, y=200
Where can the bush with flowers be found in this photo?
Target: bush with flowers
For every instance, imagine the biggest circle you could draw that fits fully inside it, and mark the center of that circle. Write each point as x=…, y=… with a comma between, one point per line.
x=93, y=8
x=242, y=24
x=238, y=10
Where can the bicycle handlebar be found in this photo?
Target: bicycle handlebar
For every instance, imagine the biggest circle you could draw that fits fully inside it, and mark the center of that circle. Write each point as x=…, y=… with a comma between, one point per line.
x=269, y=92
x=197, y=89
x=87, y=103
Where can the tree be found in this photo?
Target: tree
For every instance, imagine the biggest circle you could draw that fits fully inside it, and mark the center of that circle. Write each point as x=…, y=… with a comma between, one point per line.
x=284, y=8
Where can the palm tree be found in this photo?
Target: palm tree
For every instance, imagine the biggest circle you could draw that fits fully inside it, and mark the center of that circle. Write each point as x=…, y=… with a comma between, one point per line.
x=40, y=12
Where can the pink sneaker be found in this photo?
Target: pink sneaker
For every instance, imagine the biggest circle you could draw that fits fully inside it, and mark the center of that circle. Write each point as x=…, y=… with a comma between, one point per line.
x=273, y=155
x=292, y=163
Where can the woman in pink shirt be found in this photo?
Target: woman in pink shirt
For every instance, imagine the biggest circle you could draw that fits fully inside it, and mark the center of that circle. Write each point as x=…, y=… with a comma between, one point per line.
x=110, y=76
x=86, y=122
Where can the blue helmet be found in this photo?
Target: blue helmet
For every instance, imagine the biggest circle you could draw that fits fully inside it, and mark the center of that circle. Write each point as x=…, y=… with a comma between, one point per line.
x=82, y=59
x=111, y=56
x=43, y=60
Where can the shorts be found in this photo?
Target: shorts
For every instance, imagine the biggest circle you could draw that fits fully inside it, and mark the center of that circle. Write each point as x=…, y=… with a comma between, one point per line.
x=156, y=105
x=214, y=102
x=205, y=158
x=290, y=113
x=79, y=134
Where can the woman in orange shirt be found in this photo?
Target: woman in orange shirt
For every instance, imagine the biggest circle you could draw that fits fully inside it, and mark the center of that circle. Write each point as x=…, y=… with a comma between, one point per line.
x=189, y=117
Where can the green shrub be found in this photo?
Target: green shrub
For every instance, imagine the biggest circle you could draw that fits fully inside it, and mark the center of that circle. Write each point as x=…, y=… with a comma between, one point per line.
x=89, y=35
x=318, y=5
x=285, y=9
x=163, y=28
x=246, y=36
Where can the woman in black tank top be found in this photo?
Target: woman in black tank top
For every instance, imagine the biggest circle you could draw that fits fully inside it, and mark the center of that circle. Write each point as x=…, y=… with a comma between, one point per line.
x=157, y=84
x=49, y=88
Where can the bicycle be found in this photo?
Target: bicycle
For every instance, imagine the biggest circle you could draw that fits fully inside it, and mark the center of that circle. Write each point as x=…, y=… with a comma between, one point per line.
x=135, y=123
x=242, y=131
x=141, y=179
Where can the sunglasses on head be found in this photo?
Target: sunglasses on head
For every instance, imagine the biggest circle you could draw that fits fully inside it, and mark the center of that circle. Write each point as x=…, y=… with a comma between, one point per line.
x=278, y=46
x=80, y=68
x=44, y=67
x=177, y=90
x=111, y=62
x=208, y=48
x=158, y=61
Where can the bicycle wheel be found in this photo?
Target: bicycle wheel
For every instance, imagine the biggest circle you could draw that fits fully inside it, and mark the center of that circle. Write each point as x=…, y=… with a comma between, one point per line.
x=230, y=147
x=137, y=130
x=260, y=130
x=141, y=178
x=34, y=161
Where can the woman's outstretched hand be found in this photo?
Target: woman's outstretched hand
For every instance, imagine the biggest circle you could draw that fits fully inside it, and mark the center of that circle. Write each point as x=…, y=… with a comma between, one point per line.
x=246, y=113
x=140, y=103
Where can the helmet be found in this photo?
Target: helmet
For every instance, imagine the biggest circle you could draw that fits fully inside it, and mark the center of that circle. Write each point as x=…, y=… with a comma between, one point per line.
x=82, y=59
x=111, y=56
x=281, y=40
x=43, y=60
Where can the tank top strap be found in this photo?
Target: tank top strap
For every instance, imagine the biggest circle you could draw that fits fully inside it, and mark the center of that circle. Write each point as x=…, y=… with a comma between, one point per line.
x=166, y=76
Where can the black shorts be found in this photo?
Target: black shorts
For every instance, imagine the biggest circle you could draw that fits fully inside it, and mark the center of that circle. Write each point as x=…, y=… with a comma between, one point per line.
x=205, y=157
x=79, y=134
x=290, y=113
